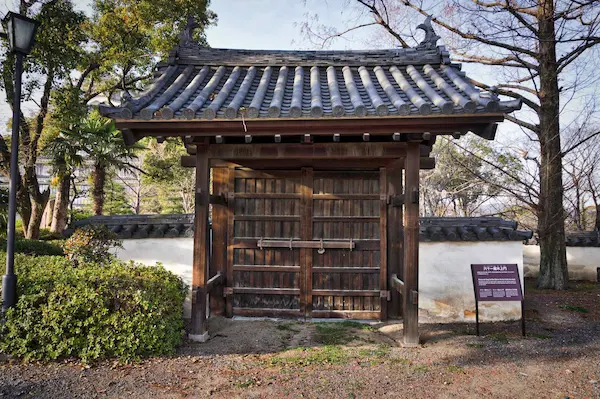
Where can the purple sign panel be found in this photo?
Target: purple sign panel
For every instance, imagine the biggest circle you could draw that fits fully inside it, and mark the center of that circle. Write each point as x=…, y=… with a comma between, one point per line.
x=497, y=282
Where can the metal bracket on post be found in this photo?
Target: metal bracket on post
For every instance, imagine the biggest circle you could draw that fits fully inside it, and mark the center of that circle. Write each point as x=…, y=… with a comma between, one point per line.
x=201, y=199
x=386, y=294
x=414, y=297
x=397, y=200
x=414, y=196
x=227, y=291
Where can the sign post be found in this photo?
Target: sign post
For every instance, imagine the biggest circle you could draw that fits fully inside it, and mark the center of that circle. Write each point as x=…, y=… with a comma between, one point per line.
x=497, y=282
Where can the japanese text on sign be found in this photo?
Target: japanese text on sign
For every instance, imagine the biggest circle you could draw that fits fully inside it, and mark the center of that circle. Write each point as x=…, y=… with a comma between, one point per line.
x=497, y=282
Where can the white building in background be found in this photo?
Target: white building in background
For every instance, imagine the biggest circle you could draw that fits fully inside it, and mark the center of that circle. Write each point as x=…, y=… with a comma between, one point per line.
x=82, y=187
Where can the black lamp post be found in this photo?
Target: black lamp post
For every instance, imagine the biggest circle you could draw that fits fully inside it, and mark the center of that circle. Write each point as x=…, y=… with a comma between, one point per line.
x=20, y=31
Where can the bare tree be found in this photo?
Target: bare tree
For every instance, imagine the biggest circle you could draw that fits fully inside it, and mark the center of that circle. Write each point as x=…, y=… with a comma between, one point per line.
x=582, y=179
x=465, y=182
x=536, y=44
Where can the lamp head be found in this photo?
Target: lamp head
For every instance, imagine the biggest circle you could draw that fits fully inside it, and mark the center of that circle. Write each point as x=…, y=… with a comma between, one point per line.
x=20, y=31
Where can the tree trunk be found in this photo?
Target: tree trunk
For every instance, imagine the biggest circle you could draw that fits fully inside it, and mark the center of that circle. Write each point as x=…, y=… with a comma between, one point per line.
x=61, y=205
x=98, y=181
x=38, y=204
x=551, y=220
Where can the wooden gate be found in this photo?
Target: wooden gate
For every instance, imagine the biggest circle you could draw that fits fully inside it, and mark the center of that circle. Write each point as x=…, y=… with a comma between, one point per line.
x=307, y=243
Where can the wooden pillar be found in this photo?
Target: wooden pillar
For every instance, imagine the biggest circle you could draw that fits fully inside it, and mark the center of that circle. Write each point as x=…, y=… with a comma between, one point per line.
x=410, y=299
x=394, y=238
x=306, y=254
x=199, y=331
x=230, y=181
x=383, y=229
x=218, y=259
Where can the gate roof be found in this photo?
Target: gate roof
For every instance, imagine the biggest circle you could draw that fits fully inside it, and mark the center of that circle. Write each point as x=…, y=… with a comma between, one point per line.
x=394, y=88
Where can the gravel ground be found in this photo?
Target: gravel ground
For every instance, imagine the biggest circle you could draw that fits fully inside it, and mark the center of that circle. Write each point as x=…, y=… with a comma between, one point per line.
x=560, y=358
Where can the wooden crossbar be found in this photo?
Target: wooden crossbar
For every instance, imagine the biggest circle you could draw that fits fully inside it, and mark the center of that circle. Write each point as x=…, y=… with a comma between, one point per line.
x=217, y=279
x=397, y=284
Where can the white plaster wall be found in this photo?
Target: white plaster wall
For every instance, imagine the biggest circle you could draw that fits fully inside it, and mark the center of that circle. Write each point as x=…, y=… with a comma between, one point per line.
x=446, y=286
x=175, y=254
x=582, y=261
x=445, y=283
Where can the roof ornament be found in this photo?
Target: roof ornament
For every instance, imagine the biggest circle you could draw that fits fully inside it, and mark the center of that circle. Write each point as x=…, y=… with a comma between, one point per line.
x=126, y=97
x=186, y=37
x=431, y=37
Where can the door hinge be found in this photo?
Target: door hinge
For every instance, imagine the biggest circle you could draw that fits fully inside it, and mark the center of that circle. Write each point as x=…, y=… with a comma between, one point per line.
x=385, y=294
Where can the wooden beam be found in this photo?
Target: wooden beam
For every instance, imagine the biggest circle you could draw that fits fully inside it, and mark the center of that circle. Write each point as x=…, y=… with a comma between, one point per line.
x=426, y=163
x=410, y=316
x=394, y=239
x=435, y=124
x=329, y=151
x=199, y=331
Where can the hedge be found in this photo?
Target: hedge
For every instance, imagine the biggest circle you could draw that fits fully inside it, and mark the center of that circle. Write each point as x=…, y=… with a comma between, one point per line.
x=34, y=247
x=93, y=312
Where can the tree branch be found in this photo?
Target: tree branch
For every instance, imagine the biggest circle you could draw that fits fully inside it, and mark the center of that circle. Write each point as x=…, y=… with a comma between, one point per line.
x=574, y=146
x=464, y=35
x=385, y=24
x=526, y=125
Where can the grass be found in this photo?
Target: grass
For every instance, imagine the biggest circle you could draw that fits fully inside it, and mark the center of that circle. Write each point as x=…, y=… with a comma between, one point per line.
x=575, y=308
x=420, y=368
x=475, y=345
x=455, y=369
x=329, y=354
x=542, y=336
x=287, y=327
x=245, y=384
x=379, y=352
x=338, y=333
x=499, y=337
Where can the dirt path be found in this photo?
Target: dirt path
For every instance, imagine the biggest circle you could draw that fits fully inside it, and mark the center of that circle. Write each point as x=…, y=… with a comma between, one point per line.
x=286, y=359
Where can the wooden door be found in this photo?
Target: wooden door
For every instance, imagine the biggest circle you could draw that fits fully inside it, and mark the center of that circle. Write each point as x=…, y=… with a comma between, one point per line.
x=348, y=283
x=264, y=282
x=278, y=222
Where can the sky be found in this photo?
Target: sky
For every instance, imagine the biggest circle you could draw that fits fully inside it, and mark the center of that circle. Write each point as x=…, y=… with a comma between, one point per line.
x=251, y=24
x=272, y=24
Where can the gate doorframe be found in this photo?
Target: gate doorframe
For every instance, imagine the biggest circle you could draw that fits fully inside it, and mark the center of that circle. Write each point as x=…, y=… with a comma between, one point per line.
x=395, y=155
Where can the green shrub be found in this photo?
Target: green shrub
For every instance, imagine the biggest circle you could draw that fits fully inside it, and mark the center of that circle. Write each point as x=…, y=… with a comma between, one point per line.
x=91, y=243
x=47, y=235
x=34, y=247
x=92, y=311
x=80, y=214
